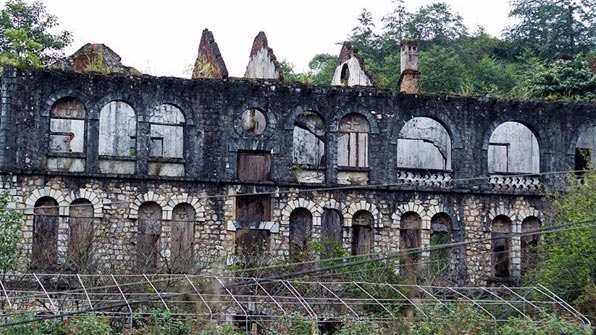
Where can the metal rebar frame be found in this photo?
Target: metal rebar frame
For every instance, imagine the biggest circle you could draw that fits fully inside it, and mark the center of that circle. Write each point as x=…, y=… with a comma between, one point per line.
x=220, y=299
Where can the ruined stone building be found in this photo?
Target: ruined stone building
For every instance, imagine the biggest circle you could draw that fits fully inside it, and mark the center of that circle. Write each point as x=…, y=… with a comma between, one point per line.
x=149, y=174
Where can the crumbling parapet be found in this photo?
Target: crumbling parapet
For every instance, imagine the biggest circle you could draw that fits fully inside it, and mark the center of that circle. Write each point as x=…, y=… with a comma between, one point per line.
x=262, y=64
x=94, y=57
x=209, y=63
x=351, y=70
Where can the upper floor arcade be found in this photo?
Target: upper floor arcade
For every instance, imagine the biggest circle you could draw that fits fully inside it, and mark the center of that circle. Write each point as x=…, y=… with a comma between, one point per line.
x=265, y=132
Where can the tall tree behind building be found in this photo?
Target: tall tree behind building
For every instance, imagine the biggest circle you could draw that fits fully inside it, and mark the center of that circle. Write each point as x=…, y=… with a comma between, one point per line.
x=25, y=37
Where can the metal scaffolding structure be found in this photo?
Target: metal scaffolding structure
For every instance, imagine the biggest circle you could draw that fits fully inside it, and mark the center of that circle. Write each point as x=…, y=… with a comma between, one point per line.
x=241, y=299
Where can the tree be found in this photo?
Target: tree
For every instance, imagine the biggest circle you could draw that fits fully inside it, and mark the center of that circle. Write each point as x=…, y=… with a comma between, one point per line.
x=25, y=34
x=560, y=79
x=322, y=67
x=11, y=223
x=435, y=23
x=442, y=69
x=548, y=27
x=569, y=266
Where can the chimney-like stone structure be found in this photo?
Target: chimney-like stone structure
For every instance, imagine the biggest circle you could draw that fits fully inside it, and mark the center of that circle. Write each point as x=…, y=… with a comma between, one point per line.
x=409, y=76
x=262, y=64
x=209, y=63
x=351, y=70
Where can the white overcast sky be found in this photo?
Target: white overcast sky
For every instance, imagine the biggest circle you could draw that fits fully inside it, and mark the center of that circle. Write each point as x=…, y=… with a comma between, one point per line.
x=162, y=37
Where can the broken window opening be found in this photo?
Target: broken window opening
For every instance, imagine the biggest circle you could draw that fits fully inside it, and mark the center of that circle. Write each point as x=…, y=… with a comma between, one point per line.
x=501, y=246
x=254, y=121
x=530, y=255
x=309, y=140
x=440, y=238
x=44, y=249
x=352, y=141
x=254, y=165
x=345, y=75
x=424, y=144
x=117, y=130
x=182, y=238
x=67, y=126
x=300, y=232
x=362, y=233
x=331, y=233
x=149, y=233
x=513, y=148
x=81, y=232
x=167, y=132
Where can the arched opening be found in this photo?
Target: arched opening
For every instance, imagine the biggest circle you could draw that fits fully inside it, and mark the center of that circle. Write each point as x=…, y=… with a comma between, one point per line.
x=81, y=231
x=44, y=250
x=530, y=238
x=352, y=141
x=182, y=238
x=440, y=238
x=501, y=246
x=331, y=233
x=149, y=233
x=362, y=233
x=424, y=144
x=300, y=231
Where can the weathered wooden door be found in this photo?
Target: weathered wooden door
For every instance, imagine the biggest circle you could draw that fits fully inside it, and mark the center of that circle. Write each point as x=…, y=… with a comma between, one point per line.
x=300, y=230
x=44, y=253
x=149, y=232
x=182, y=238
x=331, y=230
x=80, y=241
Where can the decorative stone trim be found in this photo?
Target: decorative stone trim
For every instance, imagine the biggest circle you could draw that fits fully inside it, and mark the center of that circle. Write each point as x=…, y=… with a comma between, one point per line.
x=363, y=206
x=184, y=199
x=410, y=207
x=529, y=212
x=315, y=210
x=433, y=210
x=494, y=212
x=46, y=192
x=88, y=195
x=271, y=226
x=338, y=206
x=147, y=197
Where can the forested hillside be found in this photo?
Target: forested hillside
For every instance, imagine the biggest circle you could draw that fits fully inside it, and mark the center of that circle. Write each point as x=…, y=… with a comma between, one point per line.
x=550, y=52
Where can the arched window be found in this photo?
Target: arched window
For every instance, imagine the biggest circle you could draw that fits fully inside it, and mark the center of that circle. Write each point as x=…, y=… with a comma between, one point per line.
x=529, y=243
x=352, y=141
x=501, y=246
x=67, y=126
x=409, y=239
x=167, y=132
x=182, y=238
x=149, y=233
x=80, y=240
x=362, y=233
x=424, y=144
x=300, y=231
x=309, y=140
x=513, y=148
x=331, y=233
x=67, y=136
x=44, y=251
x=117, y=130
x=440, y=238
